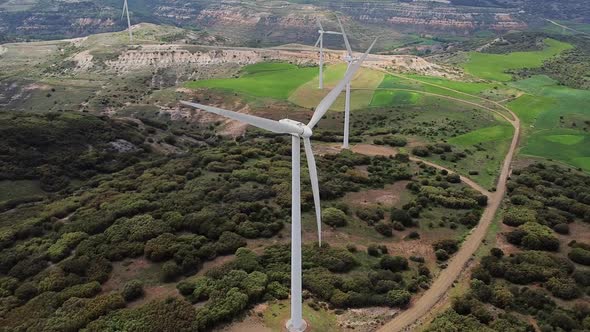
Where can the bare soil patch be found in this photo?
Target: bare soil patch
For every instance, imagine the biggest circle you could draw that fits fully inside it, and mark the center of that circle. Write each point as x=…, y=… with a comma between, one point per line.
x=252, y=323
x=373, y=150
x=388, y=196
x=125, y=271
x=365, y=319
x=156, y=292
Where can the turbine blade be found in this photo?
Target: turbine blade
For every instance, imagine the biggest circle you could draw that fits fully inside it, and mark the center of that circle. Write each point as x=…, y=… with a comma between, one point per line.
x=333, y=33
x=348, y=49
x=331, y=97
x=124, y=8
x=270, y=125
x=320, y=24
x=315, y=188
x=317, y=42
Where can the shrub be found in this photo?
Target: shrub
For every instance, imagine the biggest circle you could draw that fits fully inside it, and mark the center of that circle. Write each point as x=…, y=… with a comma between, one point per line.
x=580, y=256
x=534, y=236
x=351, y=248
x=563, y=229
x=398, y=298
x=26, y=291
x=334, y=217
x=132, y=290
x=373, y=250
x=402, y=216
x=516, y=216
x=170, y=270
x=228, y=243
x=393, y=263
x=421, y=151
x=449, y=245
x=384, y=228
x=564, y=288
x=441, y=255
x=453, y=178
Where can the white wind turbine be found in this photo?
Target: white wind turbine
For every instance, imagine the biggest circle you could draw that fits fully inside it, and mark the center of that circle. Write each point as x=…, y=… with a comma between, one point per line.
x=350, y=60
x=320, y=42
x=298, y=131
x=126, y=11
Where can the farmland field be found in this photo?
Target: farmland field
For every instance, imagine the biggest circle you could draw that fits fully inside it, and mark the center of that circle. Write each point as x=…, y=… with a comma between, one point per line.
x=308, y=94
x=488, y=134
x=556, y=121
x=272, y=80
x=493, y=66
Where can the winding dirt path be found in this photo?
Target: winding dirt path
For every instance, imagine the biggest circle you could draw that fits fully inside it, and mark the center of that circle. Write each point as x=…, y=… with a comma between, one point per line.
x=407, y=320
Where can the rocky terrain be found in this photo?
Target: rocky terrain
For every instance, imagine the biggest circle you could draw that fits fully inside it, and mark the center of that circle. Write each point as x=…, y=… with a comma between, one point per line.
x=257, y=23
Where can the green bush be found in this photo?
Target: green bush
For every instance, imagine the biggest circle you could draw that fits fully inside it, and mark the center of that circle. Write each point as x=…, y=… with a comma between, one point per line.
x=170, y=271
x=228, y=243
x=398, y=298
x=132, y=290
x=334, y=217
x=580, y=256
x=516, y=216
x=564, y=288
x=393, y=263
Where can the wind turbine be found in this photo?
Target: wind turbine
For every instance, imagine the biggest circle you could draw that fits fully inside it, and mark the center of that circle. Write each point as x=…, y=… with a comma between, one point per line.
x=126, y=11
x=320, y=42
x=298, y=131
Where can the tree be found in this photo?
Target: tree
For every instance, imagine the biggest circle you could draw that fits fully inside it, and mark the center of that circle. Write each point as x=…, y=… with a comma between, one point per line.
x=334, y=217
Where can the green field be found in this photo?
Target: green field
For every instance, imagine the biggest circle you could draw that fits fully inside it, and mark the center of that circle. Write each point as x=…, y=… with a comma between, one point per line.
x=494, y=66
x=272, y=80
x=555, y=120
x=363, y=85
x=387, y=98
x=488, y=134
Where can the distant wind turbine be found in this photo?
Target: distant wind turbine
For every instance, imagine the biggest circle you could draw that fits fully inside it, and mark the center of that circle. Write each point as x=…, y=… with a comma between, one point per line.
x=320, y=42
x=298, y=131
x=350, y=60
x=126, y=11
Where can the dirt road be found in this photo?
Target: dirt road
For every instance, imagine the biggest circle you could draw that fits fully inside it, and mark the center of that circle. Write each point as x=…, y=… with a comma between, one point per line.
x=407, y=320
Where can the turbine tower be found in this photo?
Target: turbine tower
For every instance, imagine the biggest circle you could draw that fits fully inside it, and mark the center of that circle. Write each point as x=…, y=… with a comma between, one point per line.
x=126, y=11
x=350, y=59
x=298, y=131
x=320, y=42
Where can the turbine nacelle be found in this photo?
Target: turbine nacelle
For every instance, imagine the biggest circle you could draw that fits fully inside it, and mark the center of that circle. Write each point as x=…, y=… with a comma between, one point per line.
x=300, y=128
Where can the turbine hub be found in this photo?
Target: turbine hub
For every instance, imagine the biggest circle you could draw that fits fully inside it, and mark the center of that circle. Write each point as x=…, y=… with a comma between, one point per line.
x=303, y=130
